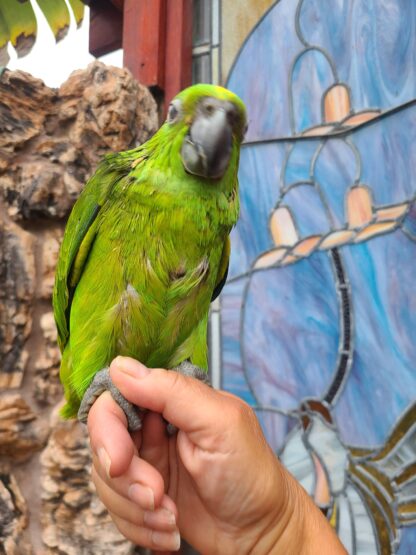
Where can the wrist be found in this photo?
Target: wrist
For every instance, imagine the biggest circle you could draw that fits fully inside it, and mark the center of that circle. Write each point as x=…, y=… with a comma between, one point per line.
x=297, y=527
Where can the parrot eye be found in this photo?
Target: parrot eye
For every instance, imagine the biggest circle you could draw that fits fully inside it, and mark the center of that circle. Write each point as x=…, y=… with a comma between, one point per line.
x=174, y=111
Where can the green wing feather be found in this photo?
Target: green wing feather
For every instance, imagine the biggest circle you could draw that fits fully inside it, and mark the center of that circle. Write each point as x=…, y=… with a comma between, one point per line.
x=79, y=238
x=223, y=269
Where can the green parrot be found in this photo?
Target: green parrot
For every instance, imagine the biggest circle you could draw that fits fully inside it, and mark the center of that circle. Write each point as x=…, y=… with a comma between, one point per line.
x=146, y=249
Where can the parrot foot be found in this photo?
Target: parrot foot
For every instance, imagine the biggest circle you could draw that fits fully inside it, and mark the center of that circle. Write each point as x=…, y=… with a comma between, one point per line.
x=102, y=382
x=188, y=369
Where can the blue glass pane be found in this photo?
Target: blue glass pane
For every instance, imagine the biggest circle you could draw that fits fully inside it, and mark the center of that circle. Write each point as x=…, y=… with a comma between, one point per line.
x=409, y=224
x=312, y=75
x=389, y=165
x=384, y=309
x=278, y=338
x=310, y=215
x=298, y=165
x=407, y=541
x=372, y=43
x=335, y=171
x=257, y=198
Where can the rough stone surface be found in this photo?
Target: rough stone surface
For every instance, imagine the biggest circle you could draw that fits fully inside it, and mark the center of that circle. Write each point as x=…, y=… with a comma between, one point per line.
x=17, y=284
x=47, y=389
x=20, y=433
x=13, y=517
x=51, y=141
x=50, y=243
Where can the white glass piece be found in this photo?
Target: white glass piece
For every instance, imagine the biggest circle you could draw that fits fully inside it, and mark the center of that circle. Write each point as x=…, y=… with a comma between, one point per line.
x=365, y=535
x=298, y=461
x=345, y=525
x=324, y=440
x=403, y=454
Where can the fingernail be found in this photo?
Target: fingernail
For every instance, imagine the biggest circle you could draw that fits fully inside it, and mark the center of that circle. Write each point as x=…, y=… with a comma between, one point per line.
x=104, y=460
x=159, y=518
x=132, y=368
x=167, y=540
x=143, y=496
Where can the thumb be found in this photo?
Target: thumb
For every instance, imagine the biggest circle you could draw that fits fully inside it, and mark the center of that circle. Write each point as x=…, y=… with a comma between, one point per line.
x=188, y=404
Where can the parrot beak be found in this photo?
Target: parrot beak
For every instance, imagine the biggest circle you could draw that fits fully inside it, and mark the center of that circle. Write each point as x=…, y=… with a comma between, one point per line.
x=206, y=150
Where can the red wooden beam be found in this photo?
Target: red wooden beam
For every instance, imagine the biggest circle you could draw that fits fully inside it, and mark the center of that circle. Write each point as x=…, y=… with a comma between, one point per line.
x=178, y=59
x=156, y=36
x=106, y=27
x=144, y=40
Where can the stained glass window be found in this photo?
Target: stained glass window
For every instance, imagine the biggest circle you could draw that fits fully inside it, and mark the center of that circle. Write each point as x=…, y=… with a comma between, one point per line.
x=318, y=317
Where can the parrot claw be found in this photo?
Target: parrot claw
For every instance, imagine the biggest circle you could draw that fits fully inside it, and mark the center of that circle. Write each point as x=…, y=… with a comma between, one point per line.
x=171, y=430
x=186, y=368
x=102, y=382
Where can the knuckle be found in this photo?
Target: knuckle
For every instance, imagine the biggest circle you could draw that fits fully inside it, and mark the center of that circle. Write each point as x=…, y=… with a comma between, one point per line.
x=240, y=412
x=176, y=380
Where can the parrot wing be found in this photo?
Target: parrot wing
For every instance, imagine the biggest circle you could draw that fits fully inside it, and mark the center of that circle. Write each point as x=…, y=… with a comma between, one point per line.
x=223, y=269
x=79, y=237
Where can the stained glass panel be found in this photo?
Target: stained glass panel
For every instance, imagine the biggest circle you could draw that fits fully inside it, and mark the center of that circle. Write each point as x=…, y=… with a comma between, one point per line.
x=318, y=317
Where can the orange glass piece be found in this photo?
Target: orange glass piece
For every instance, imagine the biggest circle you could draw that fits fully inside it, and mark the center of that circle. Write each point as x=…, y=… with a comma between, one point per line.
x=269, y=258
x=305, y=247
x=322, y=494
x=282, y=227
x=337, y=238
x=337, y=103
x=319, y=130
x=375, y=229
x=359, y=207
x=289, y=259
x=391, y=212
x=360, y=117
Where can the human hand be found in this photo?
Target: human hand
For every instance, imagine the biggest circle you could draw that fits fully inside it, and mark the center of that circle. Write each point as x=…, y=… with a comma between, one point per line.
x=216, y=481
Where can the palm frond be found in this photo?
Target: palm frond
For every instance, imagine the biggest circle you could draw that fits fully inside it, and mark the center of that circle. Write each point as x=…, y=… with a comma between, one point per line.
x=20, y=21
x=78, y=10
x=19, y=27
x=57, y=16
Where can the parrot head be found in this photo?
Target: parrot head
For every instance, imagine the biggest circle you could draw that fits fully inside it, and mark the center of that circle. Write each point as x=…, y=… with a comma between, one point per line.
x=205, y=125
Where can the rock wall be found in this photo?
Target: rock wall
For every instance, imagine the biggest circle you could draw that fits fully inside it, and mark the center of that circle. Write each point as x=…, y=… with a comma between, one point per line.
x=50, y=142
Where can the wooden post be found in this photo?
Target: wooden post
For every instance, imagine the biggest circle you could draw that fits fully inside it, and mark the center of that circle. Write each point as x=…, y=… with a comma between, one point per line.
x=144, y=40
x=178, y=69
x=156, y=36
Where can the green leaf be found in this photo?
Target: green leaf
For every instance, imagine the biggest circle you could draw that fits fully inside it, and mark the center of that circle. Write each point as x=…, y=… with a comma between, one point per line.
x=20, y=20
x=18, y=23
x=78, y=10
x=57, y=16
x=4, y=39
